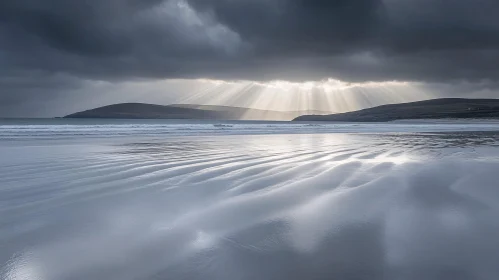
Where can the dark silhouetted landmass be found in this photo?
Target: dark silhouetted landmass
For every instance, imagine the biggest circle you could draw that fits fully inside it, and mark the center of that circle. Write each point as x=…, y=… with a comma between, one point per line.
x=185, y=111
x=445, y=108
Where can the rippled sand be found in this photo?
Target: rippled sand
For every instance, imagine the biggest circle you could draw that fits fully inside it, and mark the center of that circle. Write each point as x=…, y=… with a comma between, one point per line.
x=303, y=206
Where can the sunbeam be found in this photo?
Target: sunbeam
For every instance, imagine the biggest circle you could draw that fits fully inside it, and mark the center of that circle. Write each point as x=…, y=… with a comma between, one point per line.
x=328, y=96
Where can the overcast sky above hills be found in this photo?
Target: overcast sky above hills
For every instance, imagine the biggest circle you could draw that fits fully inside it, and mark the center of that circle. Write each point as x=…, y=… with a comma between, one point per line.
x=63, y=55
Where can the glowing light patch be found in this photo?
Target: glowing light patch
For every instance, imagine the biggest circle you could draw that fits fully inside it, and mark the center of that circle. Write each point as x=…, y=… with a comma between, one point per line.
x=317, y=97
x=203, y=241
x=22, y=266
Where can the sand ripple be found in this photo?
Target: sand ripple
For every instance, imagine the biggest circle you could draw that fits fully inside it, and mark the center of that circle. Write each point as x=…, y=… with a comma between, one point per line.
x=338, y=206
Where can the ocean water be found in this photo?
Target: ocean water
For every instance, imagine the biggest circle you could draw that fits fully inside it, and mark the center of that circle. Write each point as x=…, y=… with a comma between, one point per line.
x=156, y=199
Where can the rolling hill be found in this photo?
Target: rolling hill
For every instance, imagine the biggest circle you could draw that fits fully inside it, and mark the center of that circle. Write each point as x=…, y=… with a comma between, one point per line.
x=186, y=111
x=444, y=108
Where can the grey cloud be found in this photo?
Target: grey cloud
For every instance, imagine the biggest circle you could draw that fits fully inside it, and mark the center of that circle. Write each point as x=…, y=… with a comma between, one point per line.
x=430, y=41
x=110, y=39
x=409, y=39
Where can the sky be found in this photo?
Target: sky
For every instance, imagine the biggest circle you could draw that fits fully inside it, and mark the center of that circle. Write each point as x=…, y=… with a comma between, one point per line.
x=62, y=56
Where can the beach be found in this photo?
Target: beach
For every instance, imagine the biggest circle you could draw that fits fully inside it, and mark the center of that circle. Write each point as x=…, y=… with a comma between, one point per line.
x=93, y=199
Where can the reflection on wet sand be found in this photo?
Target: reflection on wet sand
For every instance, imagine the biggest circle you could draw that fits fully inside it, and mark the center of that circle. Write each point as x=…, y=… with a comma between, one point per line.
x=340, y=206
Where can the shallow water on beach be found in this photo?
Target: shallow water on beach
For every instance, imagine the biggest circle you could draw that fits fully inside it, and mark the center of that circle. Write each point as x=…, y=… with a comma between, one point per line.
x=248, y=200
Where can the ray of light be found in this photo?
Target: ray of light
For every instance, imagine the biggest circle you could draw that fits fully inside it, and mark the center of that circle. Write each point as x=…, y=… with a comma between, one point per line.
x=325, y=96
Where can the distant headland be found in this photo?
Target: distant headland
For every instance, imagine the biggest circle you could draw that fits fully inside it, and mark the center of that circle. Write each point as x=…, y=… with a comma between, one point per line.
x=187, y=111
x=443, y=108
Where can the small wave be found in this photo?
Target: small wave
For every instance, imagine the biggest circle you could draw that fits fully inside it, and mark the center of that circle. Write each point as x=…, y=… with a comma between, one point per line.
x=223, y=125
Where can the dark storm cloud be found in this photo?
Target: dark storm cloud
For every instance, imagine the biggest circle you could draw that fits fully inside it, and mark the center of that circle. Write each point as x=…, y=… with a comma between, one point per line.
x=405, y=39
x=110, y=38
x=239, y=39
x=440, y=41
x=306, y=27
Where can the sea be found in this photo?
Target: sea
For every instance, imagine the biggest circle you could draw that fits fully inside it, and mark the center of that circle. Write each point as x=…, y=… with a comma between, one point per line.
x=181, y=199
